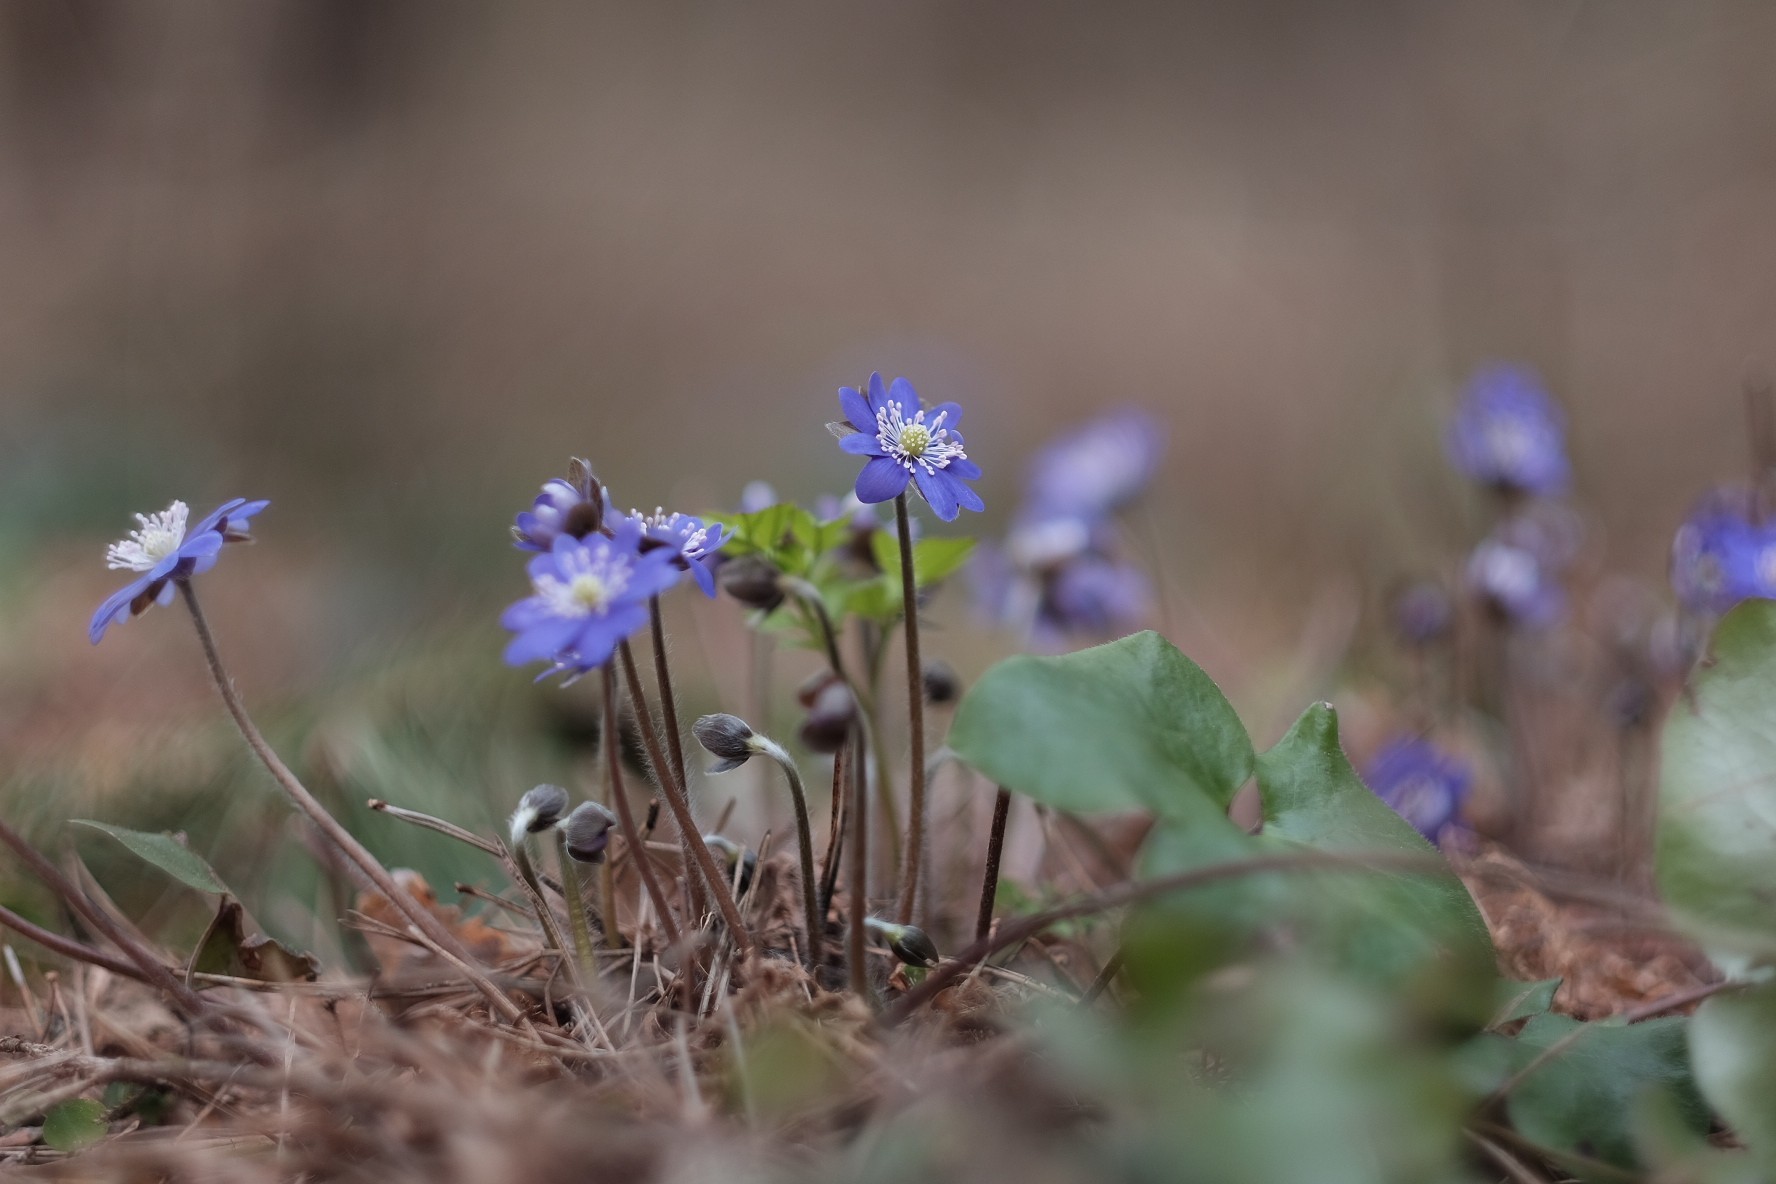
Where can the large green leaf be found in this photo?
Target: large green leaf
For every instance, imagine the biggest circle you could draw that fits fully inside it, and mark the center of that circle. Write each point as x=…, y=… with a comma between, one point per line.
x=1132, y=724
x=1733, y=1045
x=1583, y=1099
x=167, y=853
x=74, y=1125
x=1717, y=795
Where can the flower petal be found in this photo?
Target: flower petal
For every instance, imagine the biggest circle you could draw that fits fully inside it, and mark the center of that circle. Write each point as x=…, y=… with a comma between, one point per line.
x=878, y=397
x=856, y=408
x=881, y=480
x=862, y=445
x=939, y=491
x=953, y=418
x=208, y=521
x=704, y=574
x=116, y=605
x=964, y=468
x=901, y=391
x=967, y=498
x=542, y=642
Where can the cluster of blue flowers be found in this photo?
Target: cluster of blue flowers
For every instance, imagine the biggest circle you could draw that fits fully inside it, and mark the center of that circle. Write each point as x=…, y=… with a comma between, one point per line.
x=595, y=573
x=1061, y=572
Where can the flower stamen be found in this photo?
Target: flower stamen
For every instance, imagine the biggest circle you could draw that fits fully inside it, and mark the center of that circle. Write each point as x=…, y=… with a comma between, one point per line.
x=915, y=442
x=158, y=536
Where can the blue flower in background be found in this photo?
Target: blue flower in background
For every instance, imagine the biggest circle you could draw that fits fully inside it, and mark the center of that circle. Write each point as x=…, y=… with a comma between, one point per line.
x=1095, y=468
x=1509, y=433
x=1518, y=584
x=166, y=552
x=692, y=543
x=1423, y=784
x=1722, y=554
x=587, y=596
x=575, y=506
x=906, y=443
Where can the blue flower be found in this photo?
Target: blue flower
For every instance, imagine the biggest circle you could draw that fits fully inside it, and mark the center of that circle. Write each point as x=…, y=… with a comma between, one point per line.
x=575, y=506
x=1722, y=555
x=1088, y=594
x=692, y=543
x=1516, y=583
x=1423, y=784
x=891, y=427
x=587, y=596
x=1508, y=433
x=1095, y=468
x=167, y=553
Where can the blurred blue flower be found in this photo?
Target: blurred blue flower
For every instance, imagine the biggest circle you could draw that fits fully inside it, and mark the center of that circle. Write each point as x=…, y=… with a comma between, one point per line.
x=1516, y=583
x=575, y=505
x=166, y=552
x=1509, y=433
x=758, y=495
x=692, y=543
x=1423, y=784
x=1089, y=595
x=1095, y=468
x=891, y=428
x=588, y=595
x=1722, y=554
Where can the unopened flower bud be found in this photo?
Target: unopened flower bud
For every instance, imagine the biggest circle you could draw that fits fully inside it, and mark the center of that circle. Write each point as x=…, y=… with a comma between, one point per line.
x=942, y=685
x=909, y=943
x=813, y=685
x=754, y=581
x=538, y=810
x=830, y=719
x=728, y=737
x=587, y=832
x=731, y=853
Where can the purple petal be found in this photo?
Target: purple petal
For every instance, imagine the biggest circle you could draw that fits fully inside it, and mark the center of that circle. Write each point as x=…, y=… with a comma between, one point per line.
x=881, y=480
x=964, y=468
x=542, y=641
x=901, y=391
x=955, y=415
x=208, y=521
x=861, y=445
x=967, y=498
x=878, y=398
x=939, y=491
x=856, y=408
x=654, y=573
x=116, y=605
x=704, y=574
x=200, y=546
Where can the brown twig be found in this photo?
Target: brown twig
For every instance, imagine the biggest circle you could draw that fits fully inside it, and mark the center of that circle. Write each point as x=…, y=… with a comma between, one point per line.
x=68, y=947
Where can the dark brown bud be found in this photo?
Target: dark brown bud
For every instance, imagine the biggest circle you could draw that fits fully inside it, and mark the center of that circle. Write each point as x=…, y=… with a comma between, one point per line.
x=830, y=719
x=942, y=684
x=909, y=943
x=815, y=683
x=754, y=581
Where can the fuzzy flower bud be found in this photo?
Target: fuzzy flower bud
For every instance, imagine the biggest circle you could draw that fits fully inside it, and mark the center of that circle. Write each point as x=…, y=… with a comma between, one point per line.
x=830, y=719
x=754, y=581
x=942, y=685
x=587, y=832
x=538, y=810
x=909, y=943
x=728, y=737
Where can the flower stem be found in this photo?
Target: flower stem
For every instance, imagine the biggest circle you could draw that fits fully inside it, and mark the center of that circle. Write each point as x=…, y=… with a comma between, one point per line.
x=423, y=919
x=835, y=840
x=811, y=910
x=538, y=900
x=678, y=801
x=915, y=837
x=983, y=922
x=859, y=906
x=675, y=740
x=573, y=886
x=644, y=864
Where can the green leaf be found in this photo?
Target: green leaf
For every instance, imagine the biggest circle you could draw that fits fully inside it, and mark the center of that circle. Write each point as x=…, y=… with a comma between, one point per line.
x=74, y=1125
x=1717, y=796
x=1733, y=1045
x=1583, y=1100
x=933, y=559
x=1312, y=796
x=167, y=853
x=1520, y=1001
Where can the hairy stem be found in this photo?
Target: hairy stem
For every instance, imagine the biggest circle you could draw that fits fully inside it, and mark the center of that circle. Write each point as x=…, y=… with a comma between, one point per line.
x=835, y=839
x=644, y=864
x=859, y=906
x=811, y=911
x=915, y=837
x=432, y=929
x=674, y=740
x=983, y=921
x=573, y=883
x=678, y=801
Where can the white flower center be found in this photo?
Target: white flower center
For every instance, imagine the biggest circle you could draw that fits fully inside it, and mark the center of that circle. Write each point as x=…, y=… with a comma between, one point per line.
x=690, y=542
x=159, y=536
x=915, y=442
x=589, y=583
x=1511, y=440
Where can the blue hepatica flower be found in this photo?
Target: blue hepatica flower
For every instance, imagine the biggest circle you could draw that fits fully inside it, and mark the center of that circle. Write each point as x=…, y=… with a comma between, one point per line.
x=1423, y=784
x=691, y=542
x=588, y=595
x=1509, y=433
x=575, y=505
x=166, y=552
x=1722, y=554
x=1516, y=583
x=904, y=442
x=1095, y=468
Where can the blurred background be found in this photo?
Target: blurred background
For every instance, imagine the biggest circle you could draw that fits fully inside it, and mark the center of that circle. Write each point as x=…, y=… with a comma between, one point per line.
x=389, y=262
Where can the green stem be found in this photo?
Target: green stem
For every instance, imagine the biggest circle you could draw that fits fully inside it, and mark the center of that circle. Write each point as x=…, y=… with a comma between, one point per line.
x=573, y=883
x=915, y=715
